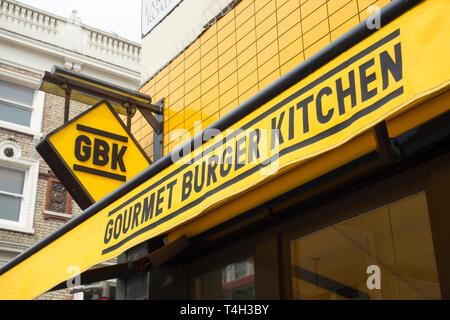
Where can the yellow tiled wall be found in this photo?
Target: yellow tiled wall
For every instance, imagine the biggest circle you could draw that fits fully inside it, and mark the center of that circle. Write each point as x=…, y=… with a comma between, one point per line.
x=246, y=50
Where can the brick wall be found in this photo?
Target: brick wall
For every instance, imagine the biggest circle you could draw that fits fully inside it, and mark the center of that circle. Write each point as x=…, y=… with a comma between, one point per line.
x=52, y=119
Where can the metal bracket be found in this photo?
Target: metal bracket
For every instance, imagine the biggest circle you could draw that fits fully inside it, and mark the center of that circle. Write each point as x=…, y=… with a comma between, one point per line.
x=68, y=92
x=158, y=138
x=388, y=149
x=131, y=110
x=151, y=261
x=155, y=123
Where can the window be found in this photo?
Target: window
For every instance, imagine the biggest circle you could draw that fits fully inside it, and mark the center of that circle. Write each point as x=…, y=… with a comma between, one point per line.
x=59, y=202
x=21, y=105
x=235, y=281
x=16, y=103
x=11, y=193
x=337, y=262
x=18, y=185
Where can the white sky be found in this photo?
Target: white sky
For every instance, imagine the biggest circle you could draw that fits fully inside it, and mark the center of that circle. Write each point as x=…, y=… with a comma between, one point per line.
x=120, y=16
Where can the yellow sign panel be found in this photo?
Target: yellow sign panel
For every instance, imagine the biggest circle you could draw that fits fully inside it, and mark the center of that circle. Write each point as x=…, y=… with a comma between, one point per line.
x=93, y=154
x=378, y=78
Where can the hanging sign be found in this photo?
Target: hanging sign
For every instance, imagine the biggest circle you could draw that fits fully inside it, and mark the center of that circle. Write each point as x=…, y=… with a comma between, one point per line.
x=93, y=154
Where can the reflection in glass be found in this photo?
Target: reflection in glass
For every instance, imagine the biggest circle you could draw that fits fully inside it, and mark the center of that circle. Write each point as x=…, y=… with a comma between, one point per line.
x=332, y=263
x=232, y=282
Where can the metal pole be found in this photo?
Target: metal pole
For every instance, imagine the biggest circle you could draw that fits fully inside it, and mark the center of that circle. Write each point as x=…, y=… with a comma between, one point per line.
x=136, y=286
x=384, y=143
x=68, y=91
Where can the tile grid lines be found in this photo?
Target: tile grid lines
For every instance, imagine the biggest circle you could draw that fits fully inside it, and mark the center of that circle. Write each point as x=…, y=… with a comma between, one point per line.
x=357, y=8
x=278, y=42
x=319, y=22
x=185, y=75
x=301, y=26
x=328, y=18
x=257, y=73
x=330, y=30
x=259, y=80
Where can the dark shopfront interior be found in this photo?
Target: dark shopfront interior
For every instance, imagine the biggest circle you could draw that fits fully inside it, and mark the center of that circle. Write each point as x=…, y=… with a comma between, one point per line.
x=317, y=241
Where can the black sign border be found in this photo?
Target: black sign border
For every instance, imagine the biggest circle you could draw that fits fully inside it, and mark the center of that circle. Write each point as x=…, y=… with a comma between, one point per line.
x=61, y=169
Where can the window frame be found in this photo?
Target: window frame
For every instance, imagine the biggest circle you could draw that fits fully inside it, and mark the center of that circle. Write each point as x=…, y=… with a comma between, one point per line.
x=31, y=170
x=372, y=196
x=216, y=261
x=262, y=247
x=270, y=245
x=37, y=107
x=15, y=195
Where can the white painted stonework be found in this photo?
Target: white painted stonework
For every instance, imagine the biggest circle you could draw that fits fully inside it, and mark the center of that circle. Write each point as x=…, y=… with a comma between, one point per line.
x=32, y=41
x=37, y=40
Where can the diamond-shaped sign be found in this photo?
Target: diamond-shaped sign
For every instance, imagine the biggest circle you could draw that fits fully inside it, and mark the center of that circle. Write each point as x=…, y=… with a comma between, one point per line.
x=93, y=154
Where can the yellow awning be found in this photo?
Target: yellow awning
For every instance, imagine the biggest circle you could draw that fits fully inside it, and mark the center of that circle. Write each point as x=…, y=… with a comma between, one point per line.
x=330, y=111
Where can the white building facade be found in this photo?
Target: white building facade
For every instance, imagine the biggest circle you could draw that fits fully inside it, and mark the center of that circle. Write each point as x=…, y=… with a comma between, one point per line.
x=32, y=201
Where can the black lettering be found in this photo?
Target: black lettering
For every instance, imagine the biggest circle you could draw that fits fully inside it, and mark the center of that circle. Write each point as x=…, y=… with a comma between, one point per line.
x=365, y=80
x=326, y=91
x=213, y=162
x=125, y=228
x=159, y=201
x=137, y=210
x=199, y=185
x=276, y=131
x=291, y=123
x=304, y=104
x=350, y=91
x=226, y=160
x=147, y=209
x=389, y=66
x=238, y=163
x=109, y=231
x=118, y=226
x=101, y=152
x=253, y=141
x=117, y=157
x=187, y=185
x=170, y=188
x=86, y=154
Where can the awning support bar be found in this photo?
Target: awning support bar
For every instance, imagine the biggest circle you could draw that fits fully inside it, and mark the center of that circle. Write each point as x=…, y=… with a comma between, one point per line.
x=385, y=145
x=130, y=112
x=151, y=119
x=68, y=92
x=151, y=261
x=99, y=92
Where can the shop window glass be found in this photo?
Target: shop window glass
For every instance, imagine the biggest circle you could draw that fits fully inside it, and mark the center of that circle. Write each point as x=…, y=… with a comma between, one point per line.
x=232, y=282
x=342, y=261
